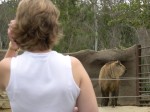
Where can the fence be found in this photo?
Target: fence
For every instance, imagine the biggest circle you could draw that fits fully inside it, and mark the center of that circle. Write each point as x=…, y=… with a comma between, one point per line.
x=137, y=57
x=144, y=74
x=142, y=78
x=142, y=99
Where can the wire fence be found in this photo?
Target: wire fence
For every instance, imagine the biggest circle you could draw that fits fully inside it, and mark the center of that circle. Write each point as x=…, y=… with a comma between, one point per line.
x=145, y=96
x=123, y=78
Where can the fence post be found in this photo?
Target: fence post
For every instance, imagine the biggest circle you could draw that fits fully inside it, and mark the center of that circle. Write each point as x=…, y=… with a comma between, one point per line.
x=138, y=71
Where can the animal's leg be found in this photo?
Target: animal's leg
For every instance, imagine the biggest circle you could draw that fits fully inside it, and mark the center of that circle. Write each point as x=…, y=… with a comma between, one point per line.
x=104, y=101
x=114, y=100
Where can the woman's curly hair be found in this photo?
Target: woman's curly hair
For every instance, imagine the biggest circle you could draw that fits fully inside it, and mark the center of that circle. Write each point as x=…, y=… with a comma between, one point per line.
x=37, y=27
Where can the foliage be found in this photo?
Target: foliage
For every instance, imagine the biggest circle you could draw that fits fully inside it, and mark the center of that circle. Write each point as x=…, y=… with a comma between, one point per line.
x=76, y=20
x=7, y=13
x=113, y=22
x=136, y=14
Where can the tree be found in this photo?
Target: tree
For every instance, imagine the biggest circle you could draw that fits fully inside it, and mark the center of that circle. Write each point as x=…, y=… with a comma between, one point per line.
x=77, y=22
x=7, y=13
x=134, y=15
x=93, y=24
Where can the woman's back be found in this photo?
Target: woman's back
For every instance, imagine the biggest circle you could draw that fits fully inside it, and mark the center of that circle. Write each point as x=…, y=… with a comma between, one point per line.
x=42, y=82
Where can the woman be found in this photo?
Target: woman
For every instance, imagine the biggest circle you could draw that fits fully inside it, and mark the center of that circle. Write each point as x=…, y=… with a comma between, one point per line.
x=41, y=79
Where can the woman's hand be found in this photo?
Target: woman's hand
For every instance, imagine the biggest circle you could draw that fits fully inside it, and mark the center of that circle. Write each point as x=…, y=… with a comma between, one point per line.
x=13, y=47
x=75, y=109
x=12, y=44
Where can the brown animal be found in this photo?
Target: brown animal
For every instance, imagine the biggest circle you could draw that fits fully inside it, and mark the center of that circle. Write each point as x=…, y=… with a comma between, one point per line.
x=111, y=70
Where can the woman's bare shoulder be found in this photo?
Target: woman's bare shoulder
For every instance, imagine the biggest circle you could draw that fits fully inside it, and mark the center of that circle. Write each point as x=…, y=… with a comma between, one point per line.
x=87, y=96
x=4, y=72
x=5, y=63
x=5, y=66
x=75, y=61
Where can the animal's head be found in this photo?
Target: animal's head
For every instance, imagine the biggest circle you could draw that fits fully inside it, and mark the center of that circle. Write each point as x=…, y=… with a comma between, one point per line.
x=117, y=69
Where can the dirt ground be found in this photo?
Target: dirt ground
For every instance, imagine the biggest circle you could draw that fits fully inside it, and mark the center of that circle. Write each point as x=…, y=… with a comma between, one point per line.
x=124, y=109
x=5, y=110
x=116, y=109
x=4, y=103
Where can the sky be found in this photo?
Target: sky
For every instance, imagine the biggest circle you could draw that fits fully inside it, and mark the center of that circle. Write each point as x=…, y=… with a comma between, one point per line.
x=2, y=0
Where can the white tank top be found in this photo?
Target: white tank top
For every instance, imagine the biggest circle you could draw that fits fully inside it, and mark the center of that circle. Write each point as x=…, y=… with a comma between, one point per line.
x=42, y=82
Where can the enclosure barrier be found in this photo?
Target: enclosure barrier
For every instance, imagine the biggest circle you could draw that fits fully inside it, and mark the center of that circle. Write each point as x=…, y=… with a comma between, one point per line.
x=144, y=74
x=142, y=97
